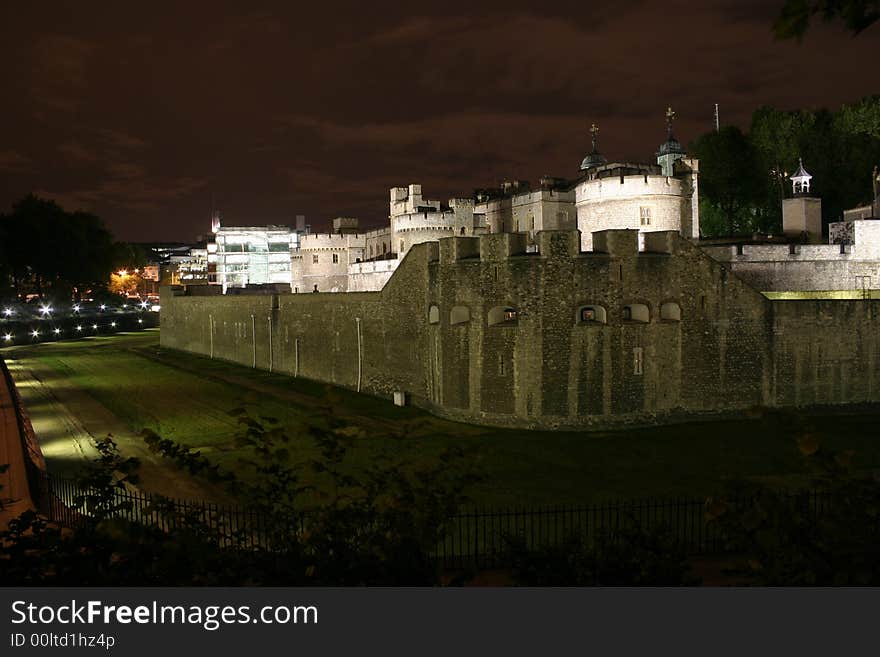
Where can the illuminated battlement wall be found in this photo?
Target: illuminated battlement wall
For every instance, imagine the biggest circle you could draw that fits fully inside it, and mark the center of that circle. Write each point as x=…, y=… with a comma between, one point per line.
x=478, y=330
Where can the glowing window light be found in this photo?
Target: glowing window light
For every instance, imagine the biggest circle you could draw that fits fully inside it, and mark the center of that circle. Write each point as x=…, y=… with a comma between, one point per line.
x=7, y=337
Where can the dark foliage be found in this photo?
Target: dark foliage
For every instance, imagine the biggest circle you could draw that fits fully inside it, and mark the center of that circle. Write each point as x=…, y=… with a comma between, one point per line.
x=629, y=556
x=829, y=538
x=795, y=15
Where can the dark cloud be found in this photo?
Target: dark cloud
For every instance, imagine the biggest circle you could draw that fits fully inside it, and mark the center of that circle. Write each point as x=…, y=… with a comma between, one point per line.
x=146, y=113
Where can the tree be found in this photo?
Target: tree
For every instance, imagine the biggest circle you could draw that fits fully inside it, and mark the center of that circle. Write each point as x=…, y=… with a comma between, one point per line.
x=840, y=149
x=125, y=283
x=795, y=15
x=728, y=176
x=51, y=250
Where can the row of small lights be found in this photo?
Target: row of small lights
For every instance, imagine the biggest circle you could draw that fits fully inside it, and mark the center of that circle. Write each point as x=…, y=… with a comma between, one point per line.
x=35, y=333
x=47, y=310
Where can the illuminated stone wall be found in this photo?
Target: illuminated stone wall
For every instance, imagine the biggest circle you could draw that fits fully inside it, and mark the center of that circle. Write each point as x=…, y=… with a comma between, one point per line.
x=476, y=329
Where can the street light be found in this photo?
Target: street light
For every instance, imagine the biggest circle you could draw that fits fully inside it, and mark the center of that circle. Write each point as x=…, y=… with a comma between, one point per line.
x=35, y=333
x=7, y=311
x=95, y=326
x=7, y=337
x=79, y=328
x=76, y=308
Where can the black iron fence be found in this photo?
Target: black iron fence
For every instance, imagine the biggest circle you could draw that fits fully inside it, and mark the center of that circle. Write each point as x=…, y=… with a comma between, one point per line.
x=474, y=538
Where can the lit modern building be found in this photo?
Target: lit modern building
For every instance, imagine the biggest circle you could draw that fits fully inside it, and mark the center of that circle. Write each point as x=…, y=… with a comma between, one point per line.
x=252, y=255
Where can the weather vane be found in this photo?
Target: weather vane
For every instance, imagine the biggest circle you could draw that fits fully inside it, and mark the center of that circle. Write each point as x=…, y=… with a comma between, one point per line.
x=670, y=117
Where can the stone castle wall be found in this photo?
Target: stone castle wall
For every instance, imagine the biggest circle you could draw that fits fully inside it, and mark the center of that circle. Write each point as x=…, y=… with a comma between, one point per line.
x=431, y=332
x=802, y=267
x=615, y=202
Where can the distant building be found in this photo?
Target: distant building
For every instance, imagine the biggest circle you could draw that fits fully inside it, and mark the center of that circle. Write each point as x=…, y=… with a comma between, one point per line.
x=252, y=255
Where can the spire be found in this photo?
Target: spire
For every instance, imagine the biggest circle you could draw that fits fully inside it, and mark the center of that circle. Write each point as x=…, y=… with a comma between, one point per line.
x=670, y=150
x=800, y=181
x=670, y=117
x=595, y=158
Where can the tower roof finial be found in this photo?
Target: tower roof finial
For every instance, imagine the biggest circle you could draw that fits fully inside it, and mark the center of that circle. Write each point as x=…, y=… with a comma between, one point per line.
x=595, y=158
x=670, y=117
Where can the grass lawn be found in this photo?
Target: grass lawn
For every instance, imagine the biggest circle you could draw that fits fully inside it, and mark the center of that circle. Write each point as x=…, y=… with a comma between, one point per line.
x=186, y=398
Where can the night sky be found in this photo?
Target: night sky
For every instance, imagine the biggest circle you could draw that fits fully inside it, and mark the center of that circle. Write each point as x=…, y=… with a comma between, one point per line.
x=140, y=115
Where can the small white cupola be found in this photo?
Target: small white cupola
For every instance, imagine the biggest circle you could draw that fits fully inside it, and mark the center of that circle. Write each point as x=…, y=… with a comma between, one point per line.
x=800, y=181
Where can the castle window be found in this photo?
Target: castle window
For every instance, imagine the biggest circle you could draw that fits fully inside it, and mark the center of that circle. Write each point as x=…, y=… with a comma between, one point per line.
x=401, y=247
x=638, y=360
x=502, y=316
x=315, y=259
x=592, y=315
x=462, y=230
x=501, y=369
x=670, y=312
x=645, y=216
x=459, y=315
x=384, y=248
x=636, y=312
x=335, y=258
x=434, y=315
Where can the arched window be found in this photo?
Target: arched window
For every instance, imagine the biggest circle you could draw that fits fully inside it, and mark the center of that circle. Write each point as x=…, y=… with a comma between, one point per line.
x=459, y=315
x=592, y=315
x=434, y=315
x=502, y=315
x=636, y=312
x=671, y=312
x=462, y=230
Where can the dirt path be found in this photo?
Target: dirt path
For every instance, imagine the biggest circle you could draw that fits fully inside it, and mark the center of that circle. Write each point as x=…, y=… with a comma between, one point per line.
x=67, y=421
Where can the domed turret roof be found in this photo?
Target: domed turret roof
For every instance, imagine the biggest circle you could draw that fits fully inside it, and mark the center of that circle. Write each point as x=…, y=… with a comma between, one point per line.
x=595, y=158
x=671, y=146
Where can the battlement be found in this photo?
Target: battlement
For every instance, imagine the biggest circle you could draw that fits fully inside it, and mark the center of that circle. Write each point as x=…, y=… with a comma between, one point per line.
x=314, y=241
x=618, y=243
x=779, y=252
x=623, y=187
x=453, y=249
